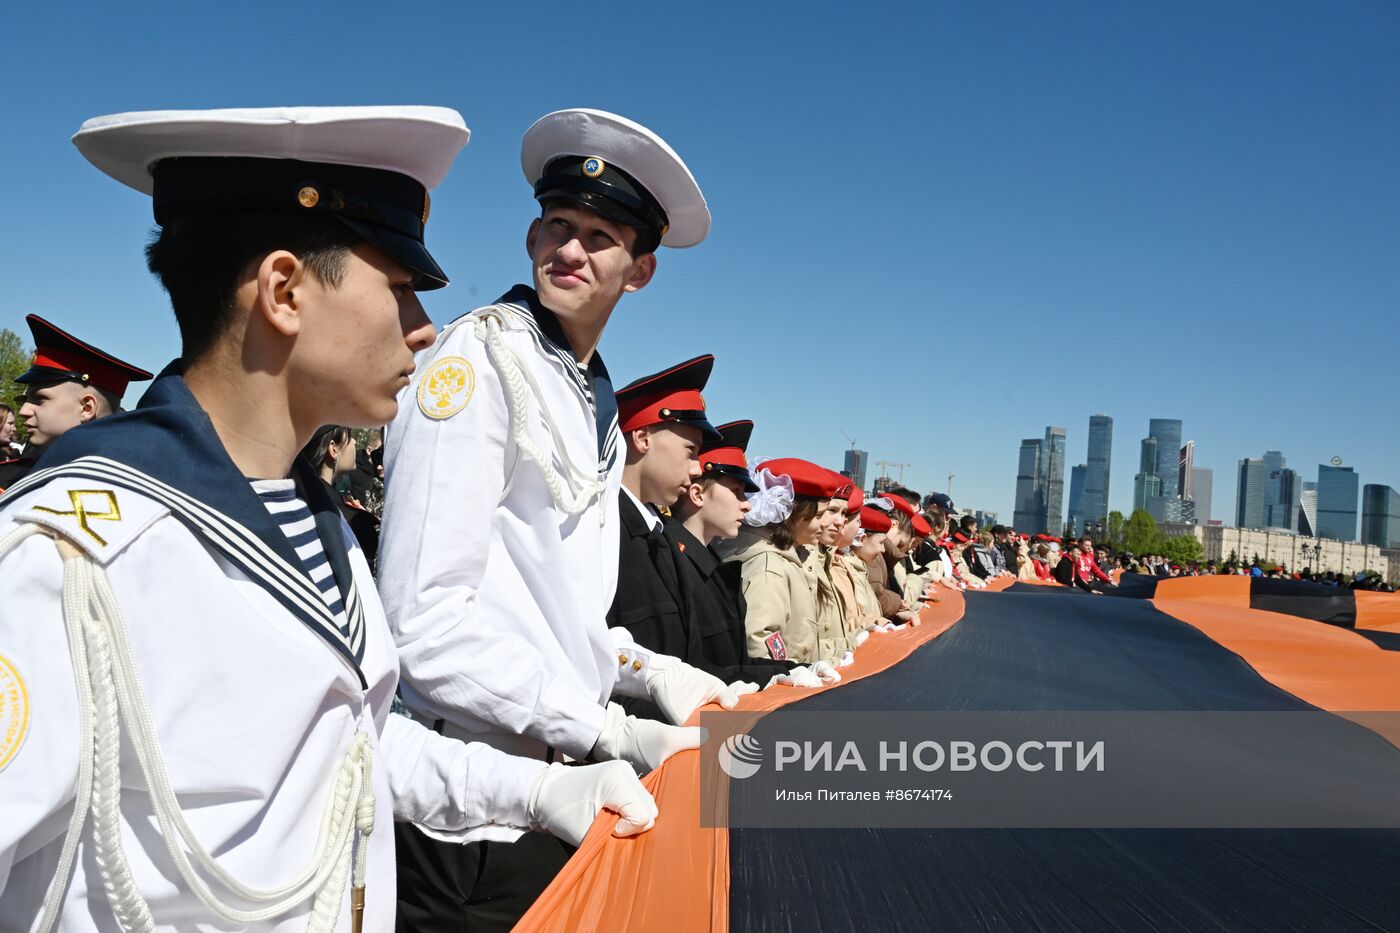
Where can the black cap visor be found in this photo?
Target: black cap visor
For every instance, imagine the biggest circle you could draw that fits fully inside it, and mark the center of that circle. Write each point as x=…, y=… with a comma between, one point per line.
x=733, y=472
x=405, y=249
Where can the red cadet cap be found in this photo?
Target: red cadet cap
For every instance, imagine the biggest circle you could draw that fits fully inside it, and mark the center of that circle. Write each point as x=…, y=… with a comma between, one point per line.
x=61, y=357
x=672, y=395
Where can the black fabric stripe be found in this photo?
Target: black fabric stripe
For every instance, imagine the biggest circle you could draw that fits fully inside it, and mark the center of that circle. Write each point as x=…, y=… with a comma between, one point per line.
x=1043, y=648
x=1335, y=605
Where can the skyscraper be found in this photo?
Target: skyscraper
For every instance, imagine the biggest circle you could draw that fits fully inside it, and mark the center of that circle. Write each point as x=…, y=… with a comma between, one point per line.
x=1075, y=519
x=1307, y=510
x=856, y=463
x=1336, y=502
x=1380, y=516
x=1281, y=493
x=1202, y=478
x=1249, y=493
x=1167, y=431
x=1147, y=486
x=1185, y=463
x=1029, y=513
x=1097, y=474
x=1052, y=465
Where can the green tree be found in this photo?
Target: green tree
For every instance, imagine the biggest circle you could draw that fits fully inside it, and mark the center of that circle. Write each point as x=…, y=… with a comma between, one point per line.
x=1140, y=534
x=14, y=360
x=1182, y=549
x=1114, y=532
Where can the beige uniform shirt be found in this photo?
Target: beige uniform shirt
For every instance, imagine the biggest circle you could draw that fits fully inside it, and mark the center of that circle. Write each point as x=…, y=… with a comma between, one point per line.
x=780, y=595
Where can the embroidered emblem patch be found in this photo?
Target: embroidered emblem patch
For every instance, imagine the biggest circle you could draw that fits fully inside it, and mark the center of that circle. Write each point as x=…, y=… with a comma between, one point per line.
x=14, y=712
x=776, y=646
x=446, y=387
x=89, y=504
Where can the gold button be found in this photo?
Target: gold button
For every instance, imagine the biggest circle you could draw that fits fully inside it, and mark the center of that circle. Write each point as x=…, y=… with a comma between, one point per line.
x=636, y=665
x=622, y=659
x=308, y=196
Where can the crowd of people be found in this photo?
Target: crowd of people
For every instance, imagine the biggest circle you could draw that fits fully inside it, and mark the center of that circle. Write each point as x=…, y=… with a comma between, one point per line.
x=480, y=625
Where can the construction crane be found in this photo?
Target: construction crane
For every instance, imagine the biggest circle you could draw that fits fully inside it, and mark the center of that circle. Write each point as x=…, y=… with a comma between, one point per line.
x=950, y=485
x=885, y=465
x=849, y=438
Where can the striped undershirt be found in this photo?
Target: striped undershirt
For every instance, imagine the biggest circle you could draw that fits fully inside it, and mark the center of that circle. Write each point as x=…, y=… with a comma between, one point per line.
x=294, y=518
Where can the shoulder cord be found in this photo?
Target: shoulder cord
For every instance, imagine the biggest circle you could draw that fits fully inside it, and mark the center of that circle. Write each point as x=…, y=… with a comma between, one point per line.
x=583, y=484
x=107, y=688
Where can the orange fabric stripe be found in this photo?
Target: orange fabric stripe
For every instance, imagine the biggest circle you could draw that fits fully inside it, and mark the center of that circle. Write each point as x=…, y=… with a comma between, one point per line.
x=675, y=877
x=1378, y=611
x=1330, y=667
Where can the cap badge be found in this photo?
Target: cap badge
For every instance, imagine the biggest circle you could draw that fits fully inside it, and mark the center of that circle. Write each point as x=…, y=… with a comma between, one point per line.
x=702, y=399
x=308, y=197
x=427, y=207
x=593, y=166
x=446, y=388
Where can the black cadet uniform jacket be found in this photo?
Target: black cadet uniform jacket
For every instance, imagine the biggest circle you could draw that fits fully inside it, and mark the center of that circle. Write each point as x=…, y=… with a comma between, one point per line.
x=715, y=606
x=649, y=602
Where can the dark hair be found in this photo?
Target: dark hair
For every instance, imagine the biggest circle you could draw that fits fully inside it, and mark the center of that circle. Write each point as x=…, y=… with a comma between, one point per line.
x=804, y=509
x=967, y=522
x=646, y=240
x=200, y=258
x=320, y=443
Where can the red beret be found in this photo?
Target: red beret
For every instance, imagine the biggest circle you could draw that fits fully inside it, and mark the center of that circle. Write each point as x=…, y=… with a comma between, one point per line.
x=921, y=526
x=873, y=520
x=900, y=503
x=808, y=479
x=857, y=500
x=959, y=537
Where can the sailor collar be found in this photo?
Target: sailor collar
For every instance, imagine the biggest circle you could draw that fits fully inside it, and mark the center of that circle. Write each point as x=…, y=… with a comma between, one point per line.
x=592, y=380
x=167, y=449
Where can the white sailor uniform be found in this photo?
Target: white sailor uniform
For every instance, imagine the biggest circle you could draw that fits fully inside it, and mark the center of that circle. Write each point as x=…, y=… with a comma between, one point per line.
x=269, y=723
x=496, y=643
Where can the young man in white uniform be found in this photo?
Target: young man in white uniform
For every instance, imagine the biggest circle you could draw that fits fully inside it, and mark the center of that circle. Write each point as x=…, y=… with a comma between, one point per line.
x=499, y=546
x=196, y=670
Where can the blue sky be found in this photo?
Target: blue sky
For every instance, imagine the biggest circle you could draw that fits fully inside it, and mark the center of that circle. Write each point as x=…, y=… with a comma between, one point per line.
x=938, y=227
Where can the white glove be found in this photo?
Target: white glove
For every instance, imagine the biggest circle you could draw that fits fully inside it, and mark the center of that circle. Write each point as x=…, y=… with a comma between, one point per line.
x=847, y=659
x=826, y=672
x=680, y=689
x=861, y=637
x=797, y=677
x=642, y=743
x=565, y=800
x=744, y=687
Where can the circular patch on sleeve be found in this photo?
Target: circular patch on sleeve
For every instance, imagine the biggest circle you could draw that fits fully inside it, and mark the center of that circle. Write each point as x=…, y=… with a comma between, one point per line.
x=14, y=712
x=446, y=387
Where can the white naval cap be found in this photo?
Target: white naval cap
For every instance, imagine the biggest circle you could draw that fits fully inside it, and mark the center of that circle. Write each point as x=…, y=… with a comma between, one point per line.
x=618, y=167
x=369, y=167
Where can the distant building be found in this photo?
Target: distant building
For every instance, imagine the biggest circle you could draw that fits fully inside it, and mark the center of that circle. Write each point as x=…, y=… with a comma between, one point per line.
x=1185, y=463
x=1029, y=510
x=1307, y=509
x=1074, y=519
x=1250, y=492
x=1147, y=486
x=985, y=520
x=1294, y=552
x=1336, y=502
x=1052, y=465
x=856, y=463
x=1201, y=480
x=1099, y=461
x=1380, y=516
x=1167, y=432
